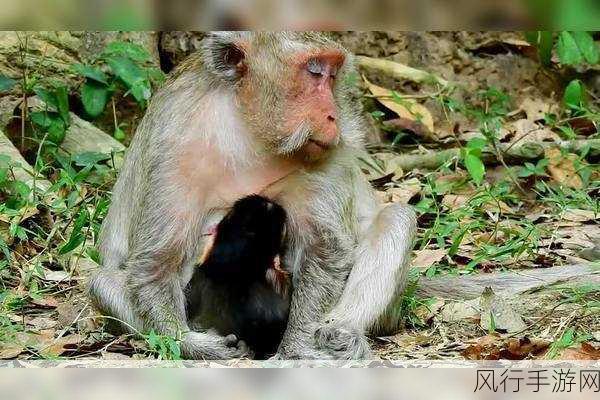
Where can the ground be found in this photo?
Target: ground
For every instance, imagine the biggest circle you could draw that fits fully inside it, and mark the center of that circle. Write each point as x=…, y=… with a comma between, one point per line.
x=496, y=149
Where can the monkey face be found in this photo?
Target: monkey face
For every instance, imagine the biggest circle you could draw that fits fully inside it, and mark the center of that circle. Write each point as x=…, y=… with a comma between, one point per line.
x=288, y=89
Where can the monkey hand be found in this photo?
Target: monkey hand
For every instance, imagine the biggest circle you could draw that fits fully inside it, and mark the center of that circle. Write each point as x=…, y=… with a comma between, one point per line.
x=199, y=346
x=342, y=341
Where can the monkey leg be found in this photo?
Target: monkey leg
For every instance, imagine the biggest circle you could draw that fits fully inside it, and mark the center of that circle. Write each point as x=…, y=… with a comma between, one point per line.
x=112, y=291
x=317, y=286
x=106, y=289
x=160, y=301
x=377, y=277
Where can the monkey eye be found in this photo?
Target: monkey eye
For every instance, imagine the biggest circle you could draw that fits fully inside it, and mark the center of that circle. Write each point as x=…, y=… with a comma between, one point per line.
x=315, y=67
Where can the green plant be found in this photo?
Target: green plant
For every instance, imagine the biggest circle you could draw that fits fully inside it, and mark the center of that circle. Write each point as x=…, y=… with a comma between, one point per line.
x=122, y=65
x=165, y=347
x=537, y=170
x=572, y=47
x=52, y=122
x=569, y=338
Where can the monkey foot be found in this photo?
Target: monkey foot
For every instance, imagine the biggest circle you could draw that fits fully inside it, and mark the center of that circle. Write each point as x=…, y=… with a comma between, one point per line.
x=342, y=343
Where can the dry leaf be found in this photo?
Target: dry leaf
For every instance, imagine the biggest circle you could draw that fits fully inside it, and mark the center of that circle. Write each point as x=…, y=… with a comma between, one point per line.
x=46, y=301
x=426, y=312
x=528, y=131
x=460, y=310
x=562, y=168
x=42, y=322
x=10, y=350
x=505, y=318
x=578, y=215
x=426, y=258
x=405, y=191
x=410, y=109
x=519, y=349
x=585, y=352
x=55, y=347
x=536, y=108
x=454, y=201
x=56, y=276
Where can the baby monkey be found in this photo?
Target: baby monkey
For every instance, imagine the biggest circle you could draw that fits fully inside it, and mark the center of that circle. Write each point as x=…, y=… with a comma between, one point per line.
x=240, y=288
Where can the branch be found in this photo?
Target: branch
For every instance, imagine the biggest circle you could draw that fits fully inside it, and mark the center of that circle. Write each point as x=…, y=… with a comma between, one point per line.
x=398, y=71
x=512, y=153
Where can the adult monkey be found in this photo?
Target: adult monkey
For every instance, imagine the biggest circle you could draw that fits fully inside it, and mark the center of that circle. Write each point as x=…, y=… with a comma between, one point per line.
x=255, y=113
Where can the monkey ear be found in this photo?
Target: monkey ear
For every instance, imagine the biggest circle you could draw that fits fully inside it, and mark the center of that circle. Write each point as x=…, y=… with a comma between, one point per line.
x=225, y=56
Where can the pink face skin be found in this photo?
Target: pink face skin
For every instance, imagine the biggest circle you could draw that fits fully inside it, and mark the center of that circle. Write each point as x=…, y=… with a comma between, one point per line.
x=311, y=100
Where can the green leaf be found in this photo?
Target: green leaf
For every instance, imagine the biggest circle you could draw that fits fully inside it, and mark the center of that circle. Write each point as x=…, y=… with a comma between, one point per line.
x=543, y=41
x=74, y=241
x=573, y=96
x=62, y=100
x=119, y=134
x=127, y=49
x=77, y=237
x=57, y=131
x=89, y=158
x=46, y=96
x=587, y=46
x=477, y=143
x=6, y=83
x=474, y=166
x=5, y=249
x=41, y=119
x=567, y=49
x=132, y=76
x=90, y=72
x=94, y=96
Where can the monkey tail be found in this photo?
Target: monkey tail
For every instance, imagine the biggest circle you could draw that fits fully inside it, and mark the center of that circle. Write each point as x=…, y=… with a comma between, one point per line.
x=507, y=283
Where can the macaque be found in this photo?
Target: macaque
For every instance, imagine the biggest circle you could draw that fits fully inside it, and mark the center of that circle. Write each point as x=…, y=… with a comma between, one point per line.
x=271, y=114
x=240, y=288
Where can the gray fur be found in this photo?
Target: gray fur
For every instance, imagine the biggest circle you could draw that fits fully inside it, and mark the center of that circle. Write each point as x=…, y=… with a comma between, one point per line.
x=348, y=259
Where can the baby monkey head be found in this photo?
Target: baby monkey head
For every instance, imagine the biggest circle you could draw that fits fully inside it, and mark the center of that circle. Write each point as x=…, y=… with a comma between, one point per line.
x=248, y=239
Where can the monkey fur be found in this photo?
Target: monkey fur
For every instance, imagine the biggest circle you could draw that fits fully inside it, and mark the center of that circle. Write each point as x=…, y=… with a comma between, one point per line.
x=255, y=112
x=240, y=277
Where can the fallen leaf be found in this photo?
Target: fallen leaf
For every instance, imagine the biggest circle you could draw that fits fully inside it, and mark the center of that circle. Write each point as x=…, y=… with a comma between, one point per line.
x=426, y=311
x=10, y=350
x=45, y=301
x=537, y=108
x=405, y=191
x=42, y=322
x=427, y=257
x=408, y=340
x=497, y=314
x=526, y=131
x=454, y=201
x=409, y=109
x=485, y=348
x=56, y=276
x=562, y=168
x=25, y=213
x=585, y=352
x=578, y=215
x=519, y=349
x=55, y=347
x=457, y=311
x=67, y=313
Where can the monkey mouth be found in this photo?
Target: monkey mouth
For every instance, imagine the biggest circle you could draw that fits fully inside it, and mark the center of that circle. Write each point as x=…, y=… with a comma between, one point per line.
x=320, y=144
